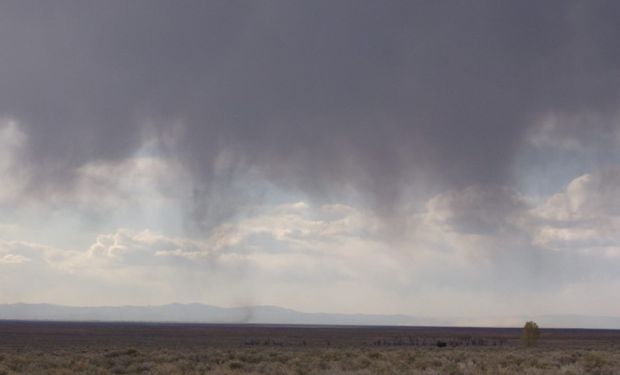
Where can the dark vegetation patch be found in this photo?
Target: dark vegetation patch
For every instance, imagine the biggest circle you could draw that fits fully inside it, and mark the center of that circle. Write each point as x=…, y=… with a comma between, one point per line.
x=125, y=348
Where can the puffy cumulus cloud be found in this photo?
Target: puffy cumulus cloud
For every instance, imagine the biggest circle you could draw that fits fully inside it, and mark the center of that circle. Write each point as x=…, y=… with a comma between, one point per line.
x=115, y=269
x=466, y=247
x=269, y=256
x=584, y=217
x=561, y=145
x=271, y=229
x=584, y=132
x=330, y=250
x=35, y=255
x=338, y=255
x=33, y=272
x=145, y=175
x=133, y=183
x=589, y=197
x=474, y=235
x=293, y=223
x=139, y=178
x=145, y=189
x=11, y=258
x=280, y=250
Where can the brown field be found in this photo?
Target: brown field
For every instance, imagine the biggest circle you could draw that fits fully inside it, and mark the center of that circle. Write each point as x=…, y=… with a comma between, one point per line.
x=128, y=348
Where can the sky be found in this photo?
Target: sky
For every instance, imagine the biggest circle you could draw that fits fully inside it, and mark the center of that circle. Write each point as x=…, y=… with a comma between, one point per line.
x=405, y=157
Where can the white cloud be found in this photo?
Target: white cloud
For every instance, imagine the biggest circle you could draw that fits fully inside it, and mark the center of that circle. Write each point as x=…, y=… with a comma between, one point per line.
x=143, y=190
x=574, y=132
x=134, y=181
x=456, y=252
x=584, y=217
x=126, y=247
x=279, y=251
x=145, y=178
x=13, y=259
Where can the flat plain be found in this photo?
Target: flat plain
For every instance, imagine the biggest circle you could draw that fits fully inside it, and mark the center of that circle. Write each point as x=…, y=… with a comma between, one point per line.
x=128, y=348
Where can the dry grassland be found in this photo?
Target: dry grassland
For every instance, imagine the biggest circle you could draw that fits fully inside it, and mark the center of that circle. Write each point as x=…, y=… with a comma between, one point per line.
x=114, y=349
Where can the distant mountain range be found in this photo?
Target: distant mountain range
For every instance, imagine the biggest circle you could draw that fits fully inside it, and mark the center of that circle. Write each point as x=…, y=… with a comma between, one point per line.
x=201, y=313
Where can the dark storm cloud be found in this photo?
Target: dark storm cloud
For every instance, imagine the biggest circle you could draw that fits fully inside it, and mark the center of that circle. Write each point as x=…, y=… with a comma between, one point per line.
x=318, y=96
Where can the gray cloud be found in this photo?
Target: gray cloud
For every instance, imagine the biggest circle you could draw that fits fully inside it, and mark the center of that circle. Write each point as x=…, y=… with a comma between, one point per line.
x=321, y=97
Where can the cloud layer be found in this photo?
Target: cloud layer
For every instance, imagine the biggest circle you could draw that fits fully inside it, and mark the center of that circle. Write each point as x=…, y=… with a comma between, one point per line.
x=421, y=155
x=322, y=98
x=339, y=257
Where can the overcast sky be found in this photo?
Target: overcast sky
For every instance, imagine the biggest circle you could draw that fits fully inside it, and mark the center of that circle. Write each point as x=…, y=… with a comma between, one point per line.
x=418, y=157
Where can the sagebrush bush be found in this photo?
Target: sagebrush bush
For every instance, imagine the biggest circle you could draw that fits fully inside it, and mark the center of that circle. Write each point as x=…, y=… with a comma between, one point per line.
x=313, y=361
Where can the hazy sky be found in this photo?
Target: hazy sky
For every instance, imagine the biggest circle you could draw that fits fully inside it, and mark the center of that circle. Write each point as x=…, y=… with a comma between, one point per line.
x=415, y=157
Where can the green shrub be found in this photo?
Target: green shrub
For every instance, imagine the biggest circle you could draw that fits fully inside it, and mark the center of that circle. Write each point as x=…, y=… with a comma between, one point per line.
x=530, y=334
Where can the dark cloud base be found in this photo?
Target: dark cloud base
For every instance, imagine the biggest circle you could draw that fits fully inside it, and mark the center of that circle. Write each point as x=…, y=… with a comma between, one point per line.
x=318, y=97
